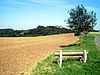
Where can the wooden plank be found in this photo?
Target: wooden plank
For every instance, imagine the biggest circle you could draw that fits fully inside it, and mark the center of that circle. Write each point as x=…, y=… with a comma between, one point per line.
x=57, y=57
x=71, y=56
x=72, y=51
x=69, y=53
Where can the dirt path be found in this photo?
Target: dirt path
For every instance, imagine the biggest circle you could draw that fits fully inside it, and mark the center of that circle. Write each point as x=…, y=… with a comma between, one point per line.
x=19, y=54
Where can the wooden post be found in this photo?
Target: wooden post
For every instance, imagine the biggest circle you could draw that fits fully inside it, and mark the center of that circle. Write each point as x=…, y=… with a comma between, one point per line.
x=60, y=58
x=85, y=56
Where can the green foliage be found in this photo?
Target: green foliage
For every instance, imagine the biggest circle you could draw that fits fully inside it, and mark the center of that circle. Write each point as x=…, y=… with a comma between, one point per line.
x=80, y=20
x=7, y=32
x=72, y=66
x=39, y=31
x=81, y=38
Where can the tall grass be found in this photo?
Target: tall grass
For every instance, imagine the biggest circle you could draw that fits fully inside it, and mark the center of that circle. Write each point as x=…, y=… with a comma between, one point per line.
x=72, y=66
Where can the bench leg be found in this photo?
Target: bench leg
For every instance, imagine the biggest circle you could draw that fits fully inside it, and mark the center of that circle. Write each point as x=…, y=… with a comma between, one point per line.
x=60, y=58
x=85, y=56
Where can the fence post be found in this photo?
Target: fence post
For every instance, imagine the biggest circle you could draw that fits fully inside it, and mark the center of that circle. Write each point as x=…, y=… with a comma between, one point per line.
x=85, y=56
x=60, y=58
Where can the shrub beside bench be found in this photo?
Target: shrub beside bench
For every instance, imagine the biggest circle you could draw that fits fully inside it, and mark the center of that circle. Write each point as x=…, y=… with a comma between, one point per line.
x=60, y=55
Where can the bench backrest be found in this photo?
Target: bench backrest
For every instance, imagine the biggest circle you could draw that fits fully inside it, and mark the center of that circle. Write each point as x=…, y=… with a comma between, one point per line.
x=70, y=53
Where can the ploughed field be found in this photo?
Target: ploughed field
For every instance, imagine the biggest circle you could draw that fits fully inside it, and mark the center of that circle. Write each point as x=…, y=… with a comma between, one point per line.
x=18, y=54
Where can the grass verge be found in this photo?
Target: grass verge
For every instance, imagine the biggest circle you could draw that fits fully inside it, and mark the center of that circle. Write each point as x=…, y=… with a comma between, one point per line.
x=72, y=66
x=95, y=33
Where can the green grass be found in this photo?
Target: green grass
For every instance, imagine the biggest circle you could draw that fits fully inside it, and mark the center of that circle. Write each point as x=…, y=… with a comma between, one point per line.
x=72, y=66
x=95, y=33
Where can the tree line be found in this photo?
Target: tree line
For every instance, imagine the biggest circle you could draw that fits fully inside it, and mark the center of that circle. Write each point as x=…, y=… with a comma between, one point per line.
x=39, y=31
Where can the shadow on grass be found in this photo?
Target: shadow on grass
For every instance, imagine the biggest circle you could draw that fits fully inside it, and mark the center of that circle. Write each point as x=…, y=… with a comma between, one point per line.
x=62, y=46
x=67, y=60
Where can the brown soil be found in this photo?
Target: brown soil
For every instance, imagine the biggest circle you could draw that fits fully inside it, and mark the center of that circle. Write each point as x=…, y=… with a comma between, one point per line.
x=18, y=54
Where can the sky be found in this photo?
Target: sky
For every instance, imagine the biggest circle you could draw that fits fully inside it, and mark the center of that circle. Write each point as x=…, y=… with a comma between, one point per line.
x=28, y=14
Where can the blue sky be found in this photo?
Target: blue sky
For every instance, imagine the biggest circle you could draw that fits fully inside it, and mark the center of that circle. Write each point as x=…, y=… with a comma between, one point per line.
x=27, y=14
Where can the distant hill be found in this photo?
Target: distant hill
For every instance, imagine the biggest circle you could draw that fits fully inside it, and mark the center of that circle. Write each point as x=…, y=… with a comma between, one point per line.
x=39, y=31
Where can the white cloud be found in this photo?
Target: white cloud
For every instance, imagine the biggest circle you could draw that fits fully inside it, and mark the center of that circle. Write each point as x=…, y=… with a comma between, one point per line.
x=54, y=3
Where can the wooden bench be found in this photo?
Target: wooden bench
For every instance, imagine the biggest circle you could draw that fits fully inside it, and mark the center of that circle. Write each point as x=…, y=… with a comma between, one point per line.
x=59, y=55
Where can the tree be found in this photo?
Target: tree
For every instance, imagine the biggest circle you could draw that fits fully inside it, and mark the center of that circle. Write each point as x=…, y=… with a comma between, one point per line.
x=81, y=21
x=40, y=30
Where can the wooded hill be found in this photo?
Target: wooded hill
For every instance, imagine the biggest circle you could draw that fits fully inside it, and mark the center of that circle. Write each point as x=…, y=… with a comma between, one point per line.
x=39, y=31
